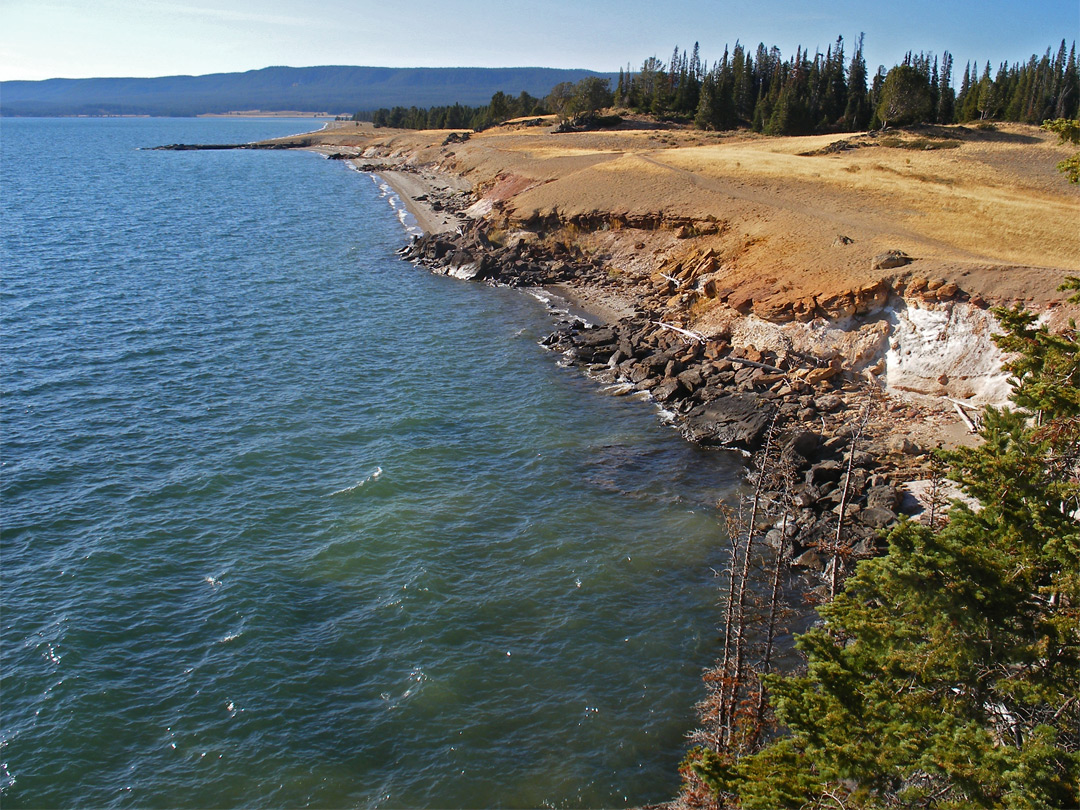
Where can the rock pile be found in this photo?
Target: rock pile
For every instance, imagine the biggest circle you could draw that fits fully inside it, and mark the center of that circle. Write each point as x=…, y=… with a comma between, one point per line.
x=724, y=397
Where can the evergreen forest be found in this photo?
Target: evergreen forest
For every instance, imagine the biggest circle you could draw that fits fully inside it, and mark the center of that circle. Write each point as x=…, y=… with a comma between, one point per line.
x=799, y=95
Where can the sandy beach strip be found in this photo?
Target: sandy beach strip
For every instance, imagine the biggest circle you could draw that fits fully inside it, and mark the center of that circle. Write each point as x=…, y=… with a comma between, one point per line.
x=410, y=186
x=594, y=305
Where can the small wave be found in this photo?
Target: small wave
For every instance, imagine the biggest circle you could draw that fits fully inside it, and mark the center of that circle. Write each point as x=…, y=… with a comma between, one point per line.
x=555, y=304
x=373, y=476
x=666, y=416
x=541, y=295
x=416, y=680
x=408, y=222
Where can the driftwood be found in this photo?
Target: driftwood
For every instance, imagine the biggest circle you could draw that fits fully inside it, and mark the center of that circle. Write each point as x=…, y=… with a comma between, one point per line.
x=764, y=366
x=959, y=406
x=700, y=338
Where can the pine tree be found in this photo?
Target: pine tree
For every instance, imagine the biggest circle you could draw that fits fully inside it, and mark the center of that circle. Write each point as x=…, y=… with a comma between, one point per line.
x=857, y=110
x=1068, y=101
x=947, y=673
x=946, y=94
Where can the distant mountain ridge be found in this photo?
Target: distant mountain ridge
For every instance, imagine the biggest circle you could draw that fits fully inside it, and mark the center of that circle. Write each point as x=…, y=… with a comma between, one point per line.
x=332, y=88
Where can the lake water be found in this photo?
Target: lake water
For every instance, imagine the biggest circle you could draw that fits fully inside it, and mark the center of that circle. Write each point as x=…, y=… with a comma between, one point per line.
x=290, y=522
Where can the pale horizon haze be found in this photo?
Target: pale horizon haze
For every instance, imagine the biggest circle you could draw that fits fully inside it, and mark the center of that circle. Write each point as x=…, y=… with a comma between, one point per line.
x=43, y=39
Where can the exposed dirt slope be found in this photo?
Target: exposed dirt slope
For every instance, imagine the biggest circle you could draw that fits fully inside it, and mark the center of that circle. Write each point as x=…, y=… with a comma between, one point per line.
x=983, y=209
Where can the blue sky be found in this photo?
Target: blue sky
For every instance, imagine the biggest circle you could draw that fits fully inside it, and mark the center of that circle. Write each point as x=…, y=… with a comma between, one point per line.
x=42, y=39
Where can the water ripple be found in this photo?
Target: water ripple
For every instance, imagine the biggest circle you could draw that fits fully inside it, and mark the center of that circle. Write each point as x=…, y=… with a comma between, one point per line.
x=288, y=522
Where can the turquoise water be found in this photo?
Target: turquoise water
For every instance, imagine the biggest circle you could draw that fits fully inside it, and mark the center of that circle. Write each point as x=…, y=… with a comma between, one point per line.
x=289, y=522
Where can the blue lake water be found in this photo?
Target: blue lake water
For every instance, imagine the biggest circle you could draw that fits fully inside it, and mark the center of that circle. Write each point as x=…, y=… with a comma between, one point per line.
x=288, y=522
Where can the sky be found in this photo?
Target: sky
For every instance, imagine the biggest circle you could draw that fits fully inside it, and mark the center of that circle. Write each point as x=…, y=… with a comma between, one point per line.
x=41, y=39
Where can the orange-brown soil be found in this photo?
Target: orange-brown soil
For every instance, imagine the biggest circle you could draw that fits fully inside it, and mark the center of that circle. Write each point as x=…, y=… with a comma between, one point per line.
x=785, y=219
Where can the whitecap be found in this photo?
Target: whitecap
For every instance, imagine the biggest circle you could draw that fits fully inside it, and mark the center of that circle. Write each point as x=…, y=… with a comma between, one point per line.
x=374, y=475
x=541, y=295
x=665, y=415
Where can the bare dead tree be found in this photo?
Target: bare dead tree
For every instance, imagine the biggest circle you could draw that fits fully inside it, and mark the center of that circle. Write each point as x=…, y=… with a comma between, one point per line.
x=734, y=710
x=839, y=548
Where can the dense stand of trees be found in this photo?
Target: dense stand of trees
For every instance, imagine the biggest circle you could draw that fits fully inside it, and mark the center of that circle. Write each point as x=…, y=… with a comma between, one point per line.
x=800, y=95
x=833, y=93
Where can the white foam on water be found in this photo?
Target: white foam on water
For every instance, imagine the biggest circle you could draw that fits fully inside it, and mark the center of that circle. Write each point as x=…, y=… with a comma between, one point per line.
x=665, y=415
x=374, y=475
x=541, y=295
x=408, y=222
x=555, y=304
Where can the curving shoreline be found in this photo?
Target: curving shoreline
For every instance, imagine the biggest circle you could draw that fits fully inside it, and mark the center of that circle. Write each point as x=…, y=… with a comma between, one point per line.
x=655, y=239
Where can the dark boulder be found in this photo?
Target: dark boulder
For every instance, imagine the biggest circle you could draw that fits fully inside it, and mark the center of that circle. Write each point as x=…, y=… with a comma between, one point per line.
x=883, y=497
x=735, y=421
x=877, y=518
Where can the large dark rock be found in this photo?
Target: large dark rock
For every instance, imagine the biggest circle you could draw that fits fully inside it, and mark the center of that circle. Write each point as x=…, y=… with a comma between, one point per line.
x=667, y=389
x=825, y=472
x=596, y=337
x=735, y=421
x=876, y=517
x=805, y=443
x=883, y=497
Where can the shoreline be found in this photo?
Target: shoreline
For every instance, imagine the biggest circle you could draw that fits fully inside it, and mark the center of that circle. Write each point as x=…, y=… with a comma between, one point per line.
x=715, y=394
x=417, y=189
x=652, y=304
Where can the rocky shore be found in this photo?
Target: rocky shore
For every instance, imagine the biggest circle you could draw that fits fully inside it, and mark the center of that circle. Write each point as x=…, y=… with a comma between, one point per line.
x=832, y=304
x=844, y=473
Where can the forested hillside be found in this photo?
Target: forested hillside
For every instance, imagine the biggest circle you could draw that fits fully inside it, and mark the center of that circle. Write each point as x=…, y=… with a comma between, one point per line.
x=801, y=95
x=333, y=89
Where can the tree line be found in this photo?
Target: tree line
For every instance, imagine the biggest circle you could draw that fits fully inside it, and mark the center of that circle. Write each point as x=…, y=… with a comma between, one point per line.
x=502, y=107
x=800, y=95
x=831, y=93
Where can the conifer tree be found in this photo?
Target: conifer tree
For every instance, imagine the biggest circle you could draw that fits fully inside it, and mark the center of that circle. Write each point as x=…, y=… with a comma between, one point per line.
x=946, y=94
x=947, y=673
x=857, y=109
